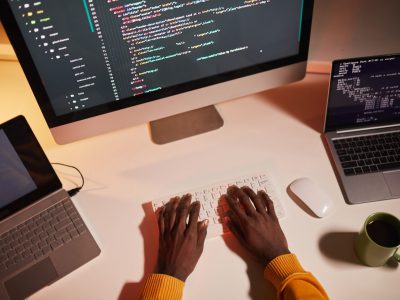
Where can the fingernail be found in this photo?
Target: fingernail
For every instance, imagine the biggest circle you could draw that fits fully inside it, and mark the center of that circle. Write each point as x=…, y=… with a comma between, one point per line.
x=205, y=222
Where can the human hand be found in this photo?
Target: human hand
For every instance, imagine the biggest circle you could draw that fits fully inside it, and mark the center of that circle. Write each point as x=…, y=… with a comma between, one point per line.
x=180, y=243
x=251, y=218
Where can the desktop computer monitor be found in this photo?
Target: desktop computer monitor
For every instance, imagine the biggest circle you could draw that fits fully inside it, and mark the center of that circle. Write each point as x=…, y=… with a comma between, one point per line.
x=96, y=66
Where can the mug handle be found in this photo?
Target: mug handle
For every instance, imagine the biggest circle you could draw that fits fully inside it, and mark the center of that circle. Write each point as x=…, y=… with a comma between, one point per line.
x=397, y=255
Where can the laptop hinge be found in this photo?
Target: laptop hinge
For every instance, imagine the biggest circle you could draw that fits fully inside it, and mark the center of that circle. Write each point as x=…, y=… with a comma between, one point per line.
x=367, y=128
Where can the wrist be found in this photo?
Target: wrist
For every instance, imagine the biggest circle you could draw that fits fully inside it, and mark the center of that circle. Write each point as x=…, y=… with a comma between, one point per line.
x=171, y=272
x=174, y=276
x=274, y=254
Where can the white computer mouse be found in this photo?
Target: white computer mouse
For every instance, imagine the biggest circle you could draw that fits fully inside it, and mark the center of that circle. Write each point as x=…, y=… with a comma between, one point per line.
x=313, y=196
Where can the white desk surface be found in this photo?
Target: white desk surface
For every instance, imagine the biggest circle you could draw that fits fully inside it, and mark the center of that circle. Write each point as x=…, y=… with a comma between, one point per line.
x=278, y=130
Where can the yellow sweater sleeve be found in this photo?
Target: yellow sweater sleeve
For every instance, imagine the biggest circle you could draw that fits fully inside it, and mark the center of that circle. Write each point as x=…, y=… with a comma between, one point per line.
x=291, y=281
x=162, y=287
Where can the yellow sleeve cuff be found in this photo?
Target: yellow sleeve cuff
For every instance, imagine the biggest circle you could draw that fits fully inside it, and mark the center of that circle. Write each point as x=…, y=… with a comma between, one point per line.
x=288, y=277
x=162, y=287
x=281, y=268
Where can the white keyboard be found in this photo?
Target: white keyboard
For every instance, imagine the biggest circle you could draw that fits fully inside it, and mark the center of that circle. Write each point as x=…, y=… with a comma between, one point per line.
x=211, y=209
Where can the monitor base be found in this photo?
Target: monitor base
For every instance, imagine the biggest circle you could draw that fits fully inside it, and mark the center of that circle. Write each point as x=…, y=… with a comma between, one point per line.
x=185, y=125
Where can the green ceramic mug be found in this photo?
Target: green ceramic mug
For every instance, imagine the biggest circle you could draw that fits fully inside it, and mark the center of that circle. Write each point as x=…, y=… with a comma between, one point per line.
x=378, y=240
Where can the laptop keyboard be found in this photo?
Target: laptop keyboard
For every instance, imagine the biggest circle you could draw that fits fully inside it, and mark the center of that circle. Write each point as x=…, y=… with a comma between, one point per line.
x=368, y=154
x=40, y=235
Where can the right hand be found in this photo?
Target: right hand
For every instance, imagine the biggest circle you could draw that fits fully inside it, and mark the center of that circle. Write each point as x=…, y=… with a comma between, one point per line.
x=251, y=218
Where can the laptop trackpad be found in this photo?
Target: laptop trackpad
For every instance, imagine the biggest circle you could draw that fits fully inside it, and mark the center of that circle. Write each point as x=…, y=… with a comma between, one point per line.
x=393, y=181
x=31, y=280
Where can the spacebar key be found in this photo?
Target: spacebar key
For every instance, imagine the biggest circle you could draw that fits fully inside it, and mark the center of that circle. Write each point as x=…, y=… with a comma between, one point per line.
x=389, y=166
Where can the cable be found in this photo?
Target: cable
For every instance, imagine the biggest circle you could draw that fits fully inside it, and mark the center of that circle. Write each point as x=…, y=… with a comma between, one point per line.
x=74, y=191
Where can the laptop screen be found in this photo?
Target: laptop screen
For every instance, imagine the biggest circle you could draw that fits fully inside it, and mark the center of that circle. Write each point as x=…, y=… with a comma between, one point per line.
x=26, y=175
x=15, y=180
x=364, y=92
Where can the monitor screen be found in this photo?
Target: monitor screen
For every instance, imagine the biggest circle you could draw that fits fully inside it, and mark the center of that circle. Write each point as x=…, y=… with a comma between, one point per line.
x=364, y=92
x=85, y=58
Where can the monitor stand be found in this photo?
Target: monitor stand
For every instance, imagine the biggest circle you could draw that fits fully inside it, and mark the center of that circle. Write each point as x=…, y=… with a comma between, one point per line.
x=186, y=124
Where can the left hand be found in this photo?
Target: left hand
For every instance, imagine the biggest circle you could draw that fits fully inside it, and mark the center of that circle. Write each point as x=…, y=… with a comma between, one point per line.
x=180, y=243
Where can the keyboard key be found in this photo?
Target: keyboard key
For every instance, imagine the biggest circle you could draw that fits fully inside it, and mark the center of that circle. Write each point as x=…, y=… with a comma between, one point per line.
x=361, y=163
x=349, y=172
x=366, y=170
x=62, y=224
x=46, y=249
x=56, y=244
x=345, y=158
x=66, y=238
x=389, y=166
x=81, y=229
x=74, y=233
x=358, y=170
x=350, y=164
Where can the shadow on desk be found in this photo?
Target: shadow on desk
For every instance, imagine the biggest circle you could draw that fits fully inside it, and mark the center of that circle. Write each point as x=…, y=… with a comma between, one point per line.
x=260, y=289
x=304, y=100
x=339, y=246
x=149, y=231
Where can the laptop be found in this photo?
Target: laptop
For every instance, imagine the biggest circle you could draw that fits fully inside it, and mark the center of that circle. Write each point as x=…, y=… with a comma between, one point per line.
x=362, y=127
x=42, y=235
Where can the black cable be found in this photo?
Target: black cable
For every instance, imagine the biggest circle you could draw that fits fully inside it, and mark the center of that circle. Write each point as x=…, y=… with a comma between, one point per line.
x=74, y=191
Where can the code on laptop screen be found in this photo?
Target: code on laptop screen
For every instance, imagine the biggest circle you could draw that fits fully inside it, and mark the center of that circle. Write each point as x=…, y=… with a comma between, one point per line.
x=364, y=91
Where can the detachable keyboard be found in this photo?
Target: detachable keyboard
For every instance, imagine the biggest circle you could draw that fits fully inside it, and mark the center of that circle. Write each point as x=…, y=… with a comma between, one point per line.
x=368, y=154
x=209, y=196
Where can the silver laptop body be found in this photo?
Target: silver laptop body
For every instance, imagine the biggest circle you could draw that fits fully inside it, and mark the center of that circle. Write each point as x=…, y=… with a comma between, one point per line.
x=42, y=236
x=364, y=103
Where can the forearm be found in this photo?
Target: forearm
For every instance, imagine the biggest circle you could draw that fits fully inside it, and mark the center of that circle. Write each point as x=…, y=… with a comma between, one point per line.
x=162, y=287
x=292, y=281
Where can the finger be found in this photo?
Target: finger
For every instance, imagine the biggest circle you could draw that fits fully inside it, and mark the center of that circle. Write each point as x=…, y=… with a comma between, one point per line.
x=234, y=226
x=170, y=213
x=193, y=215
x=264, y=203
x=235, y=192
x=182, y=212
x=268, y=203
x=161, y=226
x=258, y=203
x=234, y=206
x=201, y=234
